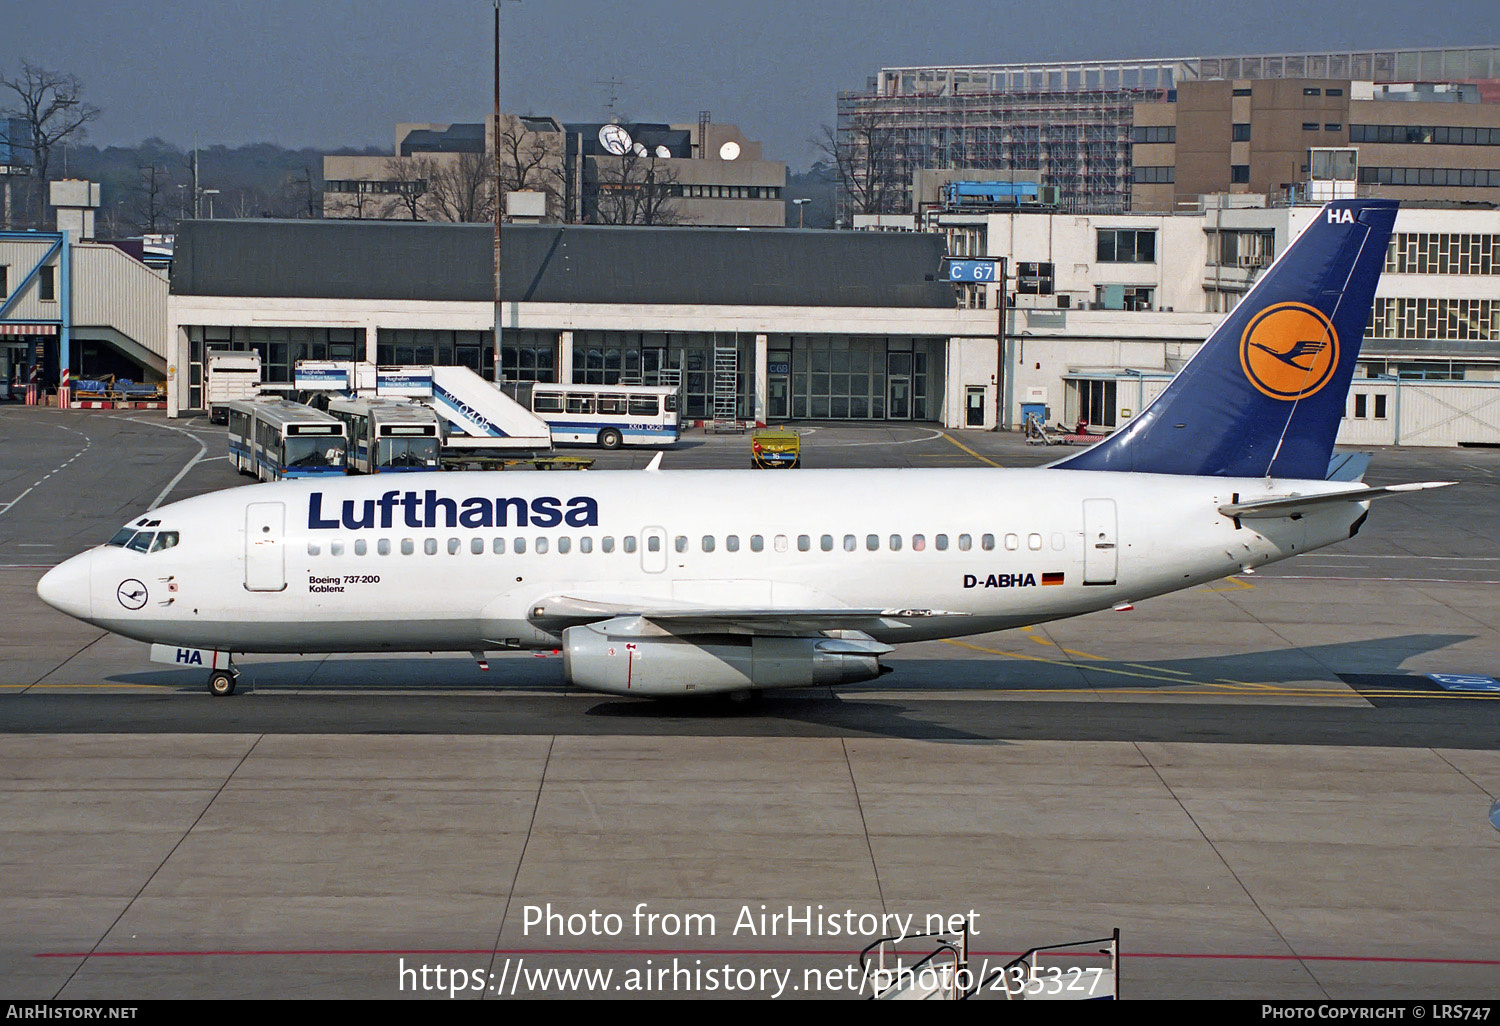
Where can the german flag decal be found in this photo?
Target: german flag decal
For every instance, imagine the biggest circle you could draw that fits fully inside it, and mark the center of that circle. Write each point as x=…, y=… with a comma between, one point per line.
x=1052, y=579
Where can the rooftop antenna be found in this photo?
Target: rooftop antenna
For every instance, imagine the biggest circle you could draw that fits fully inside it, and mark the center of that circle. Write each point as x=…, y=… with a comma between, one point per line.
x=614, y=93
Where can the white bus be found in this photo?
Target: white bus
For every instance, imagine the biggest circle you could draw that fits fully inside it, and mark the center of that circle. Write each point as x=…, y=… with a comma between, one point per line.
x=273, y=439
x=608, y=416
x=388, y=436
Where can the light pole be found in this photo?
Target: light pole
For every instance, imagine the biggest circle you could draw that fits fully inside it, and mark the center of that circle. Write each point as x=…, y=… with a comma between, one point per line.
x=801, y=205
x=210, y=193
x=495, y=133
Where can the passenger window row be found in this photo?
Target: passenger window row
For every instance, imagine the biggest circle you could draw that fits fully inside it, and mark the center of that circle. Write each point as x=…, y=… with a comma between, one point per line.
x=681, y=543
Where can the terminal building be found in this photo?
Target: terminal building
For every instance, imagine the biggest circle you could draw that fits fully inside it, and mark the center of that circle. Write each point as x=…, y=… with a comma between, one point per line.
x=792, y=324
x=1100, y=311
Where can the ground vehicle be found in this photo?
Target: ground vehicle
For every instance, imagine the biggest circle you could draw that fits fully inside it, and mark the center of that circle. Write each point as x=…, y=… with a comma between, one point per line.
x=606, y=415
x=388, y=435
x=274, y=439
x=771, y=448
x=228, y=376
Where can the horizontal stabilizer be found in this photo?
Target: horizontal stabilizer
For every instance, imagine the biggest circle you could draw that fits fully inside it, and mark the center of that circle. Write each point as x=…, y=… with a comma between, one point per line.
x=1297, y=505
x=1347, y=466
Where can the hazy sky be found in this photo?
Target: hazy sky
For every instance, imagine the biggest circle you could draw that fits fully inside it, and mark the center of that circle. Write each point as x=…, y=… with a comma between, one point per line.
x=336, y=73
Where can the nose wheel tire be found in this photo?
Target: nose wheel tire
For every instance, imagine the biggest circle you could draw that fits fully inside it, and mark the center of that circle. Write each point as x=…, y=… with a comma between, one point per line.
x=221, y=683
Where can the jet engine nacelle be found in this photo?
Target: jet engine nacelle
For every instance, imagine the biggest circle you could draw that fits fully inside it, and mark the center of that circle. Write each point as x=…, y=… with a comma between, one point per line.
x=657, y=667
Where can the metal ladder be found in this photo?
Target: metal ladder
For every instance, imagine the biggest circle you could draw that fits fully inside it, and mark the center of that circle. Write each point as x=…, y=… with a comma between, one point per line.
x=726, y=385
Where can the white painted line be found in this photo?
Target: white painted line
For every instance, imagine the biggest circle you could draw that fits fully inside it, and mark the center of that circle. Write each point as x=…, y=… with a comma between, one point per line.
x=6, y=508
x=202, y=448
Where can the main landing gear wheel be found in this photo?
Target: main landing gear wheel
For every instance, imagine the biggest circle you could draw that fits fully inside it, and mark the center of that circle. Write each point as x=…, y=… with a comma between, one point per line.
x=221, y=683
x=609, y=438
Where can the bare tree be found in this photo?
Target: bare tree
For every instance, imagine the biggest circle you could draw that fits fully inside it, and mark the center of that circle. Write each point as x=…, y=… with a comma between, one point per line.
x=531, y=161
x=354, y=204
x=635, y=188
x=410, y=185
x=48, y=102
x=297, y=195
x=863, y=153
x=151, y=199
x=461, y=188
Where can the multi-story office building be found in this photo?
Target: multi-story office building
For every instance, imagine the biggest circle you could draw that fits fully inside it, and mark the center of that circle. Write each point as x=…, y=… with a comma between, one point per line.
x=703, y=174
x=1076, y=122
x=1316, y=138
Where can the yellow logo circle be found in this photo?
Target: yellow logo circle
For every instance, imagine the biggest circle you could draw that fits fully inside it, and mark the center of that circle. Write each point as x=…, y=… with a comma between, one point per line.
x=1289, y=351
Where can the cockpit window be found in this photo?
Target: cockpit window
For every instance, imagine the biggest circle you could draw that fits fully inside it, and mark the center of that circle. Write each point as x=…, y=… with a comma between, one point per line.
x=164, y=540
x=122, y=536
x=141, y=542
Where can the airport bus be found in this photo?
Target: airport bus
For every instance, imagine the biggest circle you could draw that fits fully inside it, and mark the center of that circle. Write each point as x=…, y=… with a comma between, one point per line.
x=275, y=438
x=388, y=436
x=608, y=416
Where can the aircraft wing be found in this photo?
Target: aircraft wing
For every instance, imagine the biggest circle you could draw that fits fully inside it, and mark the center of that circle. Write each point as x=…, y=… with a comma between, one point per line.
x=1298, y=505
x=626, y=618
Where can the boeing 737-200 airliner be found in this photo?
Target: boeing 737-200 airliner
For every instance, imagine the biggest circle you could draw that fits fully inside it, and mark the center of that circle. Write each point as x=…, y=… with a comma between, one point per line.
x=697, y=582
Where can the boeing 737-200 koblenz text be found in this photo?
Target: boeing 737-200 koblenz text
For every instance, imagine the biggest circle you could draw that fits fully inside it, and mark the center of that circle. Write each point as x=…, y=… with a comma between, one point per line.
x=675, y=582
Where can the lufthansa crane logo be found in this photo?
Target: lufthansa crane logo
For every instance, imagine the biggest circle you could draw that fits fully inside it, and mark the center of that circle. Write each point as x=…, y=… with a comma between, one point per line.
x=1289, y=351
x=131, y=593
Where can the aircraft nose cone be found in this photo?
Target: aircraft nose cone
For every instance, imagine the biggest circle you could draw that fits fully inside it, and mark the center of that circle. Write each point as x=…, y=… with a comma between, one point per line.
x=66, y=587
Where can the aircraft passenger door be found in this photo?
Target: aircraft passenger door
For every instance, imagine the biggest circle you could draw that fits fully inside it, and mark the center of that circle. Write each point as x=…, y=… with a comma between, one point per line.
x=654, y=549
x=265, y=546
x=1100, y=551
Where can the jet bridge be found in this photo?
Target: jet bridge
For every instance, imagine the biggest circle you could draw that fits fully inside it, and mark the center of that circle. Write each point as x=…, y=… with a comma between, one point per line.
x=479, y=420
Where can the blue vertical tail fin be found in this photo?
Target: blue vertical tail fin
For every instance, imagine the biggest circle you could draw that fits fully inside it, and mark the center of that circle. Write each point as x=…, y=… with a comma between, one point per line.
x=1265, y=394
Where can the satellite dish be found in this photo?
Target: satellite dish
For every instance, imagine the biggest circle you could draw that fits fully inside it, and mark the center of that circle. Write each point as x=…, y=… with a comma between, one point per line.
x=615, y=139
x=640, y=151
x=729, y=151
x=662, y=151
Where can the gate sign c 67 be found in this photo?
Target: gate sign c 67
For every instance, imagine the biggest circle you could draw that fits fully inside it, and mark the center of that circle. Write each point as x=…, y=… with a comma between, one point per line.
x=972, y=270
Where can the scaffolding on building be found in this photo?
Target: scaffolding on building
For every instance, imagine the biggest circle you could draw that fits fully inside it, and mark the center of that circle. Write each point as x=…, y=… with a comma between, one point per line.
x=1080, y=142
x=1072, y=120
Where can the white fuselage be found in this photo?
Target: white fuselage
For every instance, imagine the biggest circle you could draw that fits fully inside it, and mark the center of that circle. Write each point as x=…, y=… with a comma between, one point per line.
x=264, y=569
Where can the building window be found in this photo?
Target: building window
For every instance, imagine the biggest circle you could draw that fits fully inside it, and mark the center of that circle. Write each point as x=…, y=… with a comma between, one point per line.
x=1312, y=92
x=4, y=281
x=971, y=296
x=1154, y=175
x=1440, y=319
x=46, y=284
x=1443, y=253
x=1450, y=177
x=1333, y=92
x=1239, y=174
x=1240, y=133
x=1309, y=126
x=1127, y=246
x=1154, y=134
x=1333, y=126
x=1442, y=135
x=1242, y=91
